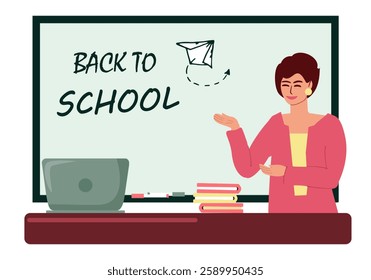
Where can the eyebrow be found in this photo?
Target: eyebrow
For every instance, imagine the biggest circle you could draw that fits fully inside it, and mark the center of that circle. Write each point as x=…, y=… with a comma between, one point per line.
x=295, y=82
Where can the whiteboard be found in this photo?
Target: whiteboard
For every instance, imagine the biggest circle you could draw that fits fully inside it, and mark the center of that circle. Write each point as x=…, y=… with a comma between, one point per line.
x=123, y=87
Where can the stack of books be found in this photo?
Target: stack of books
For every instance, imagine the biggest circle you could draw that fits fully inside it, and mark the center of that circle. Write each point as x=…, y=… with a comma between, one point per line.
x=218, y=198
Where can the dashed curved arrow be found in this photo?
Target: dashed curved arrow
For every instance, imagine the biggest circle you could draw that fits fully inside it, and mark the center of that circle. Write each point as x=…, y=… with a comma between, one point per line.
x=226, y=74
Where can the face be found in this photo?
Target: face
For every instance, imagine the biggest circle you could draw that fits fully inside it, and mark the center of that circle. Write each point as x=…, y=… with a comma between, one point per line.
x=293, y=89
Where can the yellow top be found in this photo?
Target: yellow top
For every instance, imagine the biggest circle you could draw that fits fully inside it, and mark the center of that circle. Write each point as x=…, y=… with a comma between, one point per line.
x=298, y=142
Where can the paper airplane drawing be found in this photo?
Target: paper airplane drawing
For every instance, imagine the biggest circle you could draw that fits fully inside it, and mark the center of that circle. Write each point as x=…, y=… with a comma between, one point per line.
x=199, y=53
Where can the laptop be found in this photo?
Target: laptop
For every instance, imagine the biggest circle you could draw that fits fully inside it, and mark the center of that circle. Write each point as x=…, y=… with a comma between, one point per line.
x=85, y=185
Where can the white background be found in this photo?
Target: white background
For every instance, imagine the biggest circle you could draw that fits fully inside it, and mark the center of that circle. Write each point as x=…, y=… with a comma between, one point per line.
x=23, y=261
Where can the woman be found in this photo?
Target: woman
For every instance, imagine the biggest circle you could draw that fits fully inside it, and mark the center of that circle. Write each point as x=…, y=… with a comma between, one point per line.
x=307, y=150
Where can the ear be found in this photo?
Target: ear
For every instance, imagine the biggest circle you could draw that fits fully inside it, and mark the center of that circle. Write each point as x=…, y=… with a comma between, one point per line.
x=310, y=84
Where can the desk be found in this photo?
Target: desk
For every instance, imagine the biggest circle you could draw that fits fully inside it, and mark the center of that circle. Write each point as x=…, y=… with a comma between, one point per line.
x=187, y=228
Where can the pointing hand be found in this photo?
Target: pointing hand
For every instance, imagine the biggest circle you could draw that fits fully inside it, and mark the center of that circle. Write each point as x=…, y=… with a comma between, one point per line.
x=226, y=120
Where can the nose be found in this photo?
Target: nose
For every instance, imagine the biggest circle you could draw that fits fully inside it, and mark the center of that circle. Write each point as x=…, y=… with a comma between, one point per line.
x=291, y=90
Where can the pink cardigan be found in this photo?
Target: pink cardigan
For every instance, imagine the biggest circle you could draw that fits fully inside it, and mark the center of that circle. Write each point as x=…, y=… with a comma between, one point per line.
x=326, y=150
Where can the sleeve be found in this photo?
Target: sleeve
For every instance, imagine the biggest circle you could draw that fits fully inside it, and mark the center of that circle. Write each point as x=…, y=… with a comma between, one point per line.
x=247, y=159
x=327, y=176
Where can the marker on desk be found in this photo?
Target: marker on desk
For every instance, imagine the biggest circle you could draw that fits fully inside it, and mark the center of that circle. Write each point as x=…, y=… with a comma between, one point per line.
x=178, y=194
x=150, y=195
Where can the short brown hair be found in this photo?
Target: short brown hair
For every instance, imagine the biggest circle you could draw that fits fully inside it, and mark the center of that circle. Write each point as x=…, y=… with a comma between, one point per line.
x=300, y=63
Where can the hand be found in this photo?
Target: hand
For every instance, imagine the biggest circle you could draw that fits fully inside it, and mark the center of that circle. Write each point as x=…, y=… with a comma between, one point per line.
x=226, y=120
x=275, y=170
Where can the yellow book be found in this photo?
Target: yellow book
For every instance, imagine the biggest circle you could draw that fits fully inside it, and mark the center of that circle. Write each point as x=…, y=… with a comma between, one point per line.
x=214, y=198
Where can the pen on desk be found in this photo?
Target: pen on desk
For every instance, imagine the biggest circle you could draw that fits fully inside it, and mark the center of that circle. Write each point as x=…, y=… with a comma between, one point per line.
x=150, y=195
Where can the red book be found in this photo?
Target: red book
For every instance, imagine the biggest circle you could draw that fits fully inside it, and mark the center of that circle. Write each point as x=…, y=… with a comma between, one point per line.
x=218, y=188
x=221, y=207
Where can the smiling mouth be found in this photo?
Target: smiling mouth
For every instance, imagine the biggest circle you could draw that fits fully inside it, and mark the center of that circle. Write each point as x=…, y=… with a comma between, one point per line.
x=291, y=97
